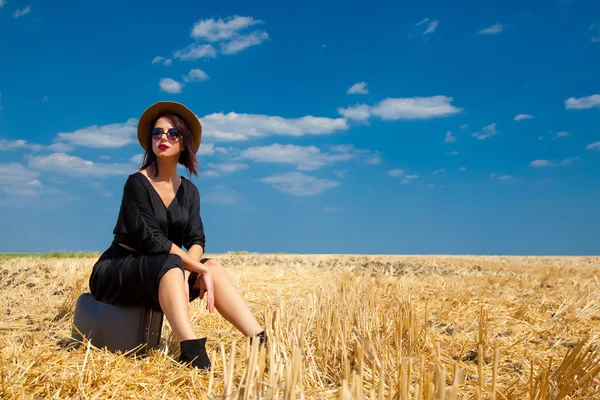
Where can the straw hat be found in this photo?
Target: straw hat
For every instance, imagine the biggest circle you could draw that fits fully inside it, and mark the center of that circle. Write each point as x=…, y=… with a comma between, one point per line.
x=146, y=121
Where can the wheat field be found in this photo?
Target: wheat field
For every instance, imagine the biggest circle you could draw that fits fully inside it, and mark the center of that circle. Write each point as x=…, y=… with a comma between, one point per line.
x=340, y=327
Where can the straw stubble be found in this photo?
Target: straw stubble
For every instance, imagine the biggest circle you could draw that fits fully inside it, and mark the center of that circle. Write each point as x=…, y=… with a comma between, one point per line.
x=345, y=327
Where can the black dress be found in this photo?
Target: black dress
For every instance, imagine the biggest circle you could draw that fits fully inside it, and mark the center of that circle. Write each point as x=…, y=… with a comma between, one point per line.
x=127, y=278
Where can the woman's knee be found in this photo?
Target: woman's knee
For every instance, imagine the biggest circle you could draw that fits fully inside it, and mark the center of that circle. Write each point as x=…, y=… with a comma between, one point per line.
x=174, y=268
x=174, y=273
x=216, y=269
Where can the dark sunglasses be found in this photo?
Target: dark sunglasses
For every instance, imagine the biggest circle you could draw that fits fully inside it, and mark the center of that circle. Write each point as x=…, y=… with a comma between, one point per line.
x=172, y=134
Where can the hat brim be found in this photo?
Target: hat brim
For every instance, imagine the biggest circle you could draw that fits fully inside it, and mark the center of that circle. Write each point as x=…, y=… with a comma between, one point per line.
x=146, y=122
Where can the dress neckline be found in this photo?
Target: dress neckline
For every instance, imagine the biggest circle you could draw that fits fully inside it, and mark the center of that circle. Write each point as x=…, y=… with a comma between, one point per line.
x=156, y=192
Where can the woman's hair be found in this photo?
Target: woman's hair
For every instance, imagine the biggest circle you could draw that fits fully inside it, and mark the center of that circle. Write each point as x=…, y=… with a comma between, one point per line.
x=187, y=158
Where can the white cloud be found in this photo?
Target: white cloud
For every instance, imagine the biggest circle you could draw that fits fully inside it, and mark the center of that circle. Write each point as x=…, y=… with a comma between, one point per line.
x=227, y=168
x=243, y=42
x=432, y=27
x=19, y=13
x=17, y=180
x=78, y=167
x=496, y=28
x=195, y=75
x=99, y=187
x=162, y=60
x=6, y=145
x=14, y=173
x=340, y=173
x=552, y=163
x=462, y=169
x=34, y=183
x=488, y=131
x=170, y=85
x=569, y=161
x=213, y=30
x=22, y=144
x=500, y=177
x=223, y=150
x=60, y=147
x=438, y=171
x=595, y=39
x=227, y=33
x=238, y=127
x=104, y=136
x=464, y=126
x=583, y=102
x=452, y=153
x=395, y=172
x=360, y=88
x=211, y=173
x=521, y=117
x=306, y=158
x=331, y=209
x=415, y=108
x=137, y=159
x=409, y=178
x=403, y=108
x=206, y=149
x=221, y=195
x=358, y=112
x=373, y=160
x=540, y=163
x=449, y=138
x=2, y=3
x=298, y=184
x=195, y=51
x=593, y=146
x=561, y=134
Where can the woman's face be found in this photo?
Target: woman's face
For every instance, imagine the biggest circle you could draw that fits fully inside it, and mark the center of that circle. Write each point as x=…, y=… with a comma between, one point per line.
x=170, y=142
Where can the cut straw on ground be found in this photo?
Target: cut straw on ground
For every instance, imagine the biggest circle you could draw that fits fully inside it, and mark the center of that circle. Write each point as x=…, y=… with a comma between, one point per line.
x=340, y=327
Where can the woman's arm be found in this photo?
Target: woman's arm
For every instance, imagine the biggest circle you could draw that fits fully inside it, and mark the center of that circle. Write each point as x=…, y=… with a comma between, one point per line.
x=190, y=263
x=189, y=259
x=196, y=252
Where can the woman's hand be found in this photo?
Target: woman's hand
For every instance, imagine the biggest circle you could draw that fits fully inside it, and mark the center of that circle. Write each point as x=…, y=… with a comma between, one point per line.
x=206, y=286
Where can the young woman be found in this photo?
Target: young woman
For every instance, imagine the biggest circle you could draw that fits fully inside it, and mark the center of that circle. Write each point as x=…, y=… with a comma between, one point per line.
x=159, y=215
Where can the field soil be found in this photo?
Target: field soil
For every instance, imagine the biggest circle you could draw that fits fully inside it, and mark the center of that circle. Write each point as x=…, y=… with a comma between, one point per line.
x=339, y=327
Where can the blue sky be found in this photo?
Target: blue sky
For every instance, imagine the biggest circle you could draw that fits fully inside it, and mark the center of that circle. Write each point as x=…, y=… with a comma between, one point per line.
x=329, y=127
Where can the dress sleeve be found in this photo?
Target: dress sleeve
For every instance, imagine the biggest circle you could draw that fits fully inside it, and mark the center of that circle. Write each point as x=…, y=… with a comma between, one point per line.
x=139, y=220
x=194, y=230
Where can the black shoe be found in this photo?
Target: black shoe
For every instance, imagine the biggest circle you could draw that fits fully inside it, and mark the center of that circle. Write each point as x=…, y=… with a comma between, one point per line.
x=194, y=351
x=262, y=338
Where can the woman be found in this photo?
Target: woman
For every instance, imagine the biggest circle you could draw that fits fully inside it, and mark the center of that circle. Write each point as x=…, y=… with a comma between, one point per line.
x=160, y=214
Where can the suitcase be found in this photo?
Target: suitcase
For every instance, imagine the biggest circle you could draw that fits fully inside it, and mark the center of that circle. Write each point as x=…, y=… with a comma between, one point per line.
x=133, y=330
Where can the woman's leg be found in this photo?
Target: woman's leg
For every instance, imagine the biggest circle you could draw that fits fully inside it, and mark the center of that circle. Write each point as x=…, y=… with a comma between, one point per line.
x=229, y=302
x=174, y=302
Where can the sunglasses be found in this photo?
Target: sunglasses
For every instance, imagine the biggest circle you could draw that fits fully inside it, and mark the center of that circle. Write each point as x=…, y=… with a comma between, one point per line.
x=172, y=134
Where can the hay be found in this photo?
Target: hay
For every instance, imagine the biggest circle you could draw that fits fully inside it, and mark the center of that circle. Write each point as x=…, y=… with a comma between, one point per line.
x=340, y=327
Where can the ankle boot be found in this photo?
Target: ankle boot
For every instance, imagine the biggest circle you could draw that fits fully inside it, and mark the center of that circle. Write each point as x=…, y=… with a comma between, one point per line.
x=262, y=338
x=194, y=351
